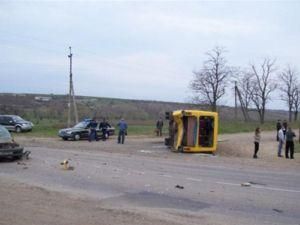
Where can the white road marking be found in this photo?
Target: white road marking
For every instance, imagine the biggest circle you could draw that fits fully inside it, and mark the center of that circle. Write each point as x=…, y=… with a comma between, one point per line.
x=194, y=179
x=145, y=151
x=138, y=172
x=276, y=189
x=226, y=183
x=166, y=175
x=262, y=187
x=159, y=146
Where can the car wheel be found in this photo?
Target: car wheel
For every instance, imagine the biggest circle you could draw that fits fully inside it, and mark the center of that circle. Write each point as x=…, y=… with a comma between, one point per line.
x=18, y=129
x=17, y=157
x=65, y=138
x=76, y=137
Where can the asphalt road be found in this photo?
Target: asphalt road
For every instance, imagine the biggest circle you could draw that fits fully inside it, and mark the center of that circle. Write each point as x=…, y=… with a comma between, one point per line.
x=186, y=190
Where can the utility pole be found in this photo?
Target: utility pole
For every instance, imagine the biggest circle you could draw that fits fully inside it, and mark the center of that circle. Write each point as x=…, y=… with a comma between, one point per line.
x=235, y=100
x=71, y=95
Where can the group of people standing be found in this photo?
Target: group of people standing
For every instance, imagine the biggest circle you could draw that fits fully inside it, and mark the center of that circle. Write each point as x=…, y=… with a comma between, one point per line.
x=285, y=135
x=122, y=125
x=103, y=126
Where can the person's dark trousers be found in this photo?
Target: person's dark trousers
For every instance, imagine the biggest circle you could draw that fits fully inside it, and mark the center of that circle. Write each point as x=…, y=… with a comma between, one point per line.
x=121, y=136
x=159, y=131
x=289, y=148
x=96, y=136
x=93, y=135
x=292, y=150
x=256, y=147
x=104, y=132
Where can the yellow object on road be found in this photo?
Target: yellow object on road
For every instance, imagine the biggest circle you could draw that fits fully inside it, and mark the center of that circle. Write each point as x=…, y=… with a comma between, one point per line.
x=65, y=164
x=192, y=131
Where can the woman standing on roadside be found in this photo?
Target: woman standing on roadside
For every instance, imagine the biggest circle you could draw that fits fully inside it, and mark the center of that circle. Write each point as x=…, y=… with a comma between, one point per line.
x=256, y=142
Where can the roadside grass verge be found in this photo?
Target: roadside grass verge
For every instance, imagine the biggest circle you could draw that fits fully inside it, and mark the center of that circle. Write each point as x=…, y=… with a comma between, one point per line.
x=43, y=128
x=49, y=128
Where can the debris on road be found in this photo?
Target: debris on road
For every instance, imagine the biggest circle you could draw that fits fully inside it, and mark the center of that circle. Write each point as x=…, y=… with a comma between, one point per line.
x=278, y=210
x=256, y=183
x=26, y=154
x=246, y=184
x=179, y=187
x=65, y=165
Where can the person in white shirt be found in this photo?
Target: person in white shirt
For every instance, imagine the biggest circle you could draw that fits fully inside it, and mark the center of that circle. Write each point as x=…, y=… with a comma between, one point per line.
x=281, y=139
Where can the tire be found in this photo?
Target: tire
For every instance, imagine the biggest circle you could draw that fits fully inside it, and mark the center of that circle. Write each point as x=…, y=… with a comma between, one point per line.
x=76, y=137
x=18, y=129
x=17, y=157
x=65, y=138
x=180, y=149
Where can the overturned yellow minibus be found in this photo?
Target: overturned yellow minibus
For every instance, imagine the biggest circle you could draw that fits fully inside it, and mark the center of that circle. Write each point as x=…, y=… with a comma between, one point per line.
x=192, y=131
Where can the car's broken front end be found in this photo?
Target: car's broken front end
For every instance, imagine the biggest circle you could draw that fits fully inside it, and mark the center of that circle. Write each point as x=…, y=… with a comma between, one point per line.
x=8, y=147
x=11, y=150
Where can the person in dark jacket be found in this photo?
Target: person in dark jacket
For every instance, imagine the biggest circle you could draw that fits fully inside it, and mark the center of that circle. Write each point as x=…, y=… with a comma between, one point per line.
x=256, y=142
x=284, y=125
x=93, y=133
x=289, y=144
x=122, y=131
x=159, y=126
x=104, y=125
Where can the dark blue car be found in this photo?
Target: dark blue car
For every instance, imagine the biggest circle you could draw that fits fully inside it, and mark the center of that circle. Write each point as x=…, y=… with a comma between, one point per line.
x=81, y=131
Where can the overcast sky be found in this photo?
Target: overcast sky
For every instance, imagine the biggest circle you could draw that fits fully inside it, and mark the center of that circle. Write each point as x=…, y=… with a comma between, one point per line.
x=138, y=49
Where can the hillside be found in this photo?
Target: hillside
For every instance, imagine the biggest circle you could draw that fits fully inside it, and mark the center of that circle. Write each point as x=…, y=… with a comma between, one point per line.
x=39, y=106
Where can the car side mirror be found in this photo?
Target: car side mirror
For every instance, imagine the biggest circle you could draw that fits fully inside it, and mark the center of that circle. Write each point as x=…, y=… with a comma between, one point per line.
x=10, y=121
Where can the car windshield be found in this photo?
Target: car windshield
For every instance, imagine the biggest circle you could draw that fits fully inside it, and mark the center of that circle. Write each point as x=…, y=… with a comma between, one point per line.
x=4, y=134
x=82, y=124
x=18, y=119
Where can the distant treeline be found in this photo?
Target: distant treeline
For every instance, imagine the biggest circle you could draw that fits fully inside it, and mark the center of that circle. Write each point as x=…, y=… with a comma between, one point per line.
x=55, y=107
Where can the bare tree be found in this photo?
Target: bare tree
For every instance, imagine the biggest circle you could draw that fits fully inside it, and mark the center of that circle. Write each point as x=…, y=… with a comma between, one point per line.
x=209, y=83
x=289, y=88
x=296, y=102
x=262, y=85
x=244, y=84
